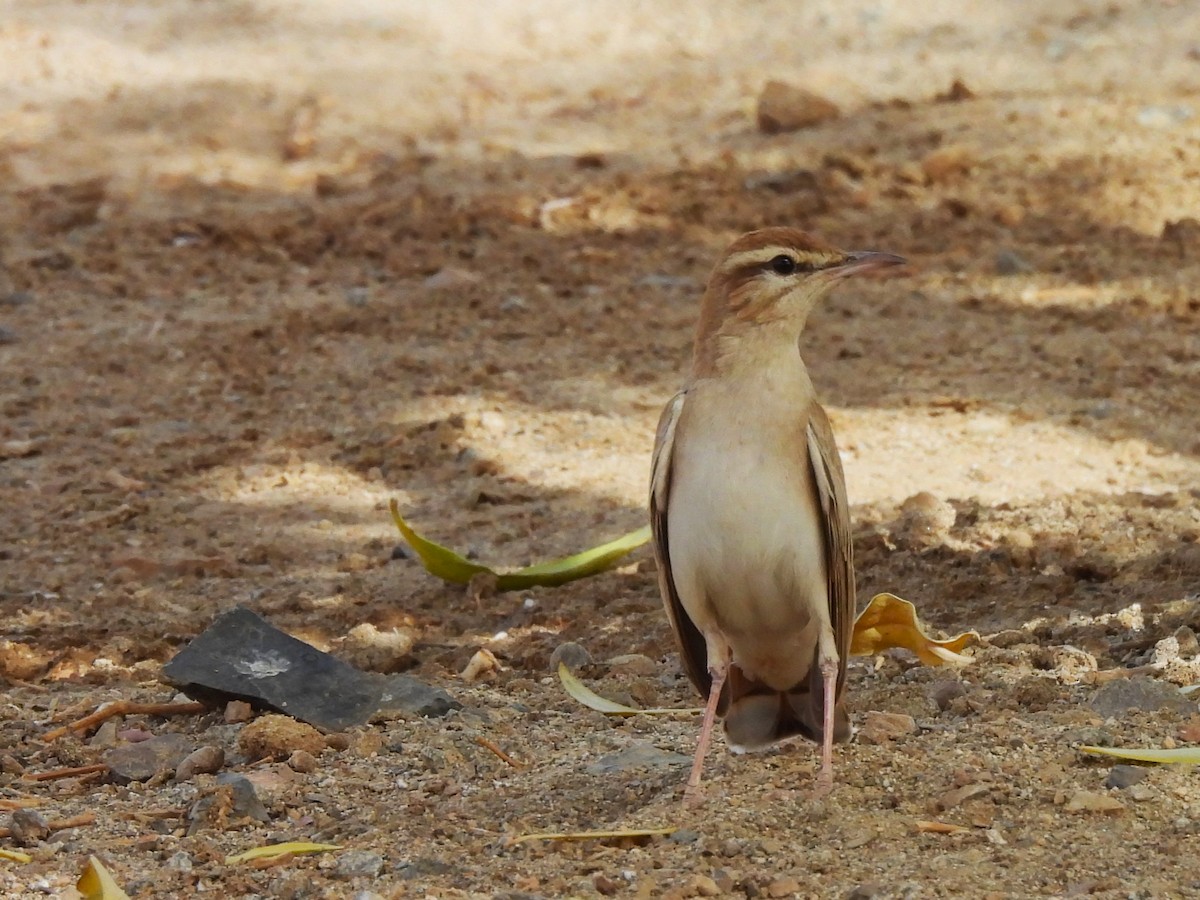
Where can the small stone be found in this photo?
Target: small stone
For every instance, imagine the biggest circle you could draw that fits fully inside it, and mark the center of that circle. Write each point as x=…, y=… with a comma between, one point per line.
x=7, y=335
x=358, y=864
x=203, y=761
x=179, y=862
x=106, y=735
x=238, y=711
x=302, y=761
x=1187, y=642
x=450, y=278
x=277, y=737
x=881, y=727
x=702, y=886
x=783, y=887
x=483, y=664
x=370, y=648
x=867, y=891
x=943, y=693
x=1146, y=694
x=684, y=836
x=1036, y=693
x=233, y=797
x=633, y=664
x=28, y=827
x=924, y=521
x=1086, y=801
x=16, y=298
x=637, y=755
x=574, y=655
x=948, y=162
x=784, y=107
x=957, y=93
x=1140, y=793
x=1121, y=777
x=605, y=885
x=354, y=562
x=1008, y=262
x=144, y=760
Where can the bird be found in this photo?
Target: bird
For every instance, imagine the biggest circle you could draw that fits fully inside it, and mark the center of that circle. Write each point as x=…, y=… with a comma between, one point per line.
x=749, y=518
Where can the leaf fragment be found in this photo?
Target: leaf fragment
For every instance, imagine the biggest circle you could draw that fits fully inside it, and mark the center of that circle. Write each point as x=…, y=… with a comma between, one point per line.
x=927, y=826
x=15, y=855
x=589, y=698
x=1186, y=755
x=271, y=851
x=889, y=621
x=457, y=569
x=592, y=835
x=96, y=883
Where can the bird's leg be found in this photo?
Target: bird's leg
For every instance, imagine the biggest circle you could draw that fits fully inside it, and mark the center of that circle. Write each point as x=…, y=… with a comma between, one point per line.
x=717, y=670
x=829, y=674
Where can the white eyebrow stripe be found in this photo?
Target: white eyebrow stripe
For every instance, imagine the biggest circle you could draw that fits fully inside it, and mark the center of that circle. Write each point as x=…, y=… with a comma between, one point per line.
x=758, y=255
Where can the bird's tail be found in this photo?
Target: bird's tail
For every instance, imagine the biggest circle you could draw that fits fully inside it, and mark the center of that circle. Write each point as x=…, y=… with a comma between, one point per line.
x=757, y=716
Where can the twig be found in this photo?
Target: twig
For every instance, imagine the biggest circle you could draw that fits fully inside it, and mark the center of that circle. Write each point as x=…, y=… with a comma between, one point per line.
x=491, y=745
x=71, y=772
x=20, y=803
x=125, y=708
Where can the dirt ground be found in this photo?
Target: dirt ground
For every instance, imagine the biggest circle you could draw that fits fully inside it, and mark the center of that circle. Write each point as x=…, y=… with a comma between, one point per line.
x=264, y=266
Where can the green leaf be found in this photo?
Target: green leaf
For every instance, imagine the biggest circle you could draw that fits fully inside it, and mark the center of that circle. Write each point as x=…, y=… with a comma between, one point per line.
x=1149, y=754
x=274, y=850
x=450, y=566
x=589, y=698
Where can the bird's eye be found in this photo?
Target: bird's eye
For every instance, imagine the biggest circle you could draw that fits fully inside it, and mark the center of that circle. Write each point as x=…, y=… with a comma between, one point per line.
x=783, y=265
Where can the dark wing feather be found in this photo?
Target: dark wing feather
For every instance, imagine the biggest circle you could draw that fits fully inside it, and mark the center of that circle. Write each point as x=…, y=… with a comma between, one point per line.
x=693, y=650
x=839, y=549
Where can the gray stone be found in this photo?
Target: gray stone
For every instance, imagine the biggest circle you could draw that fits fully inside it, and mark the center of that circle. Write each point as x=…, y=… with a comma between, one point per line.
x=1146, y=694
x=204, y=761
x=637, y=755
x=1009, y=262
x=242, y=656
x=28, y=827
x=573, y=654
x=1121, y=777
x=142, y=761
x=246, y=802
x=358, y=864
x=943, y=693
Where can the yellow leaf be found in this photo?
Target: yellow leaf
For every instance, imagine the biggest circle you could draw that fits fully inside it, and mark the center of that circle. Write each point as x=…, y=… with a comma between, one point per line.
x=450, y=566
x=15, y=856
x=585, y=695
x=1150, y=754
x=274, y=850
x=97, y=884
x=889, y=621
x=591, y=835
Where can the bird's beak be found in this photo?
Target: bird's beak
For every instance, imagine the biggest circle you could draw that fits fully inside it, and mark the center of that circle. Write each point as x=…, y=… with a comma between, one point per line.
x=859, y=261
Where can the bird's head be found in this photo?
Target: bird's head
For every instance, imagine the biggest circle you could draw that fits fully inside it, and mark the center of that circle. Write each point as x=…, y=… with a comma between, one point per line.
x=775, y=276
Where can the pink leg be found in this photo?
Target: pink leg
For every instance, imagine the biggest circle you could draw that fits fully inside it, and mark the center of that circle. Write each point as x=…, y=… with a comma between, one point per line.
x=718, y=672
x=829, y=672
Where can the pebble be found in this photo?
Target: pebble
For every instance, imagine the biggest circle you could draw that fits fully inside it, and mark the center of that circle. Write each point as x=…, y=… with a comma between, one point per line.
x=203, y=761
x=1120, y=777
x=637, y=755
x=947, y=162
x=943, y=693
x=180, y=862
x=7, y=335
x=1086, y=801
x=924, y=520
x=369, y=648
x=16, y=298
x=277, y=737
x=450, y=278
x=684, y=836
x=785, y=107
x=783, y=887
x=866, y=891
x=633, y=664
x=358, y=864
x=1140, y=793
x=574, y=655
x=302, y=761
x=244, y=802
x=144, y=760
x=1138, y=693
x=605, y=885
x=1008, y=262
x=881, y=727
x=702, y=886
x=238, y=711
x=28, y=827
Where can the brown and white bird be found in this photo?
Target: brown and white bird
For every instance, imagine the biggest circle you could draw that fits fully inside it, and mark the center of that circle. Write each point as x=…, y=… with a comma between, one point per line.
x=748, y=505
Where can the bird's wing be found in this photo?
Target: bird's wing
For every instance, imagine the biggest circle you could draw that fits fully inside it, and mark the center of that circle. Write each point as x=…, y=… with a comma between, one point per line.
x=839, y=551
x=692, y=647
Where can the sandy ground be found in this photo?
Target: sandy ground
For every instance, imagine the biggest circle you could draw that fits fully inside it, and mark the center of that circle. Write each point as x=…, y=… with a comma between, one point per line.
x=225, y=344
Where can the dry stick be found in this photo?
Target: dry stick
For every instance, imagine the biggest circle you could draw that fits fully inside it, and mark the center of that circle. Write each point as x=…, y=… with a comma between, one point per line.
x=491, y=745
x=125, y=708
x=71, y=772
x=87, y=818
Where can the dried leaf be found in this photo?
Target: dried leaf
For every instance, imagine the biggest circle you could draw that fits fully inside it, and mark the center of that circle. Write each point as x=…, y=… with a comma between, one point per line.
x=889, y=621
x=275, y=850
x=15, y=856
x=585, y=695
x=97, y=884
x=592, y=835
x=450, y=566
x=1187, y=755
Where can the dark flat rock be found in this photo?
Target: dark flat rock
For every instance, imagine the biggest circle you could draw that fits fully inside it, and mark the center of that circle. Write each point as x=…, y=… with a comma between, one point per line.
x=1146, y=694
x=241, y=655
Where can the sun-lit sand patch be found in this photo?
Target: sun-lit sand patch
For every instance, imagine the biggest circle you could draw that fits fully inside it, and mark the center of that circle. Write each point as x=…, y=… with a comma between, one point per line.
x=890, y=455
